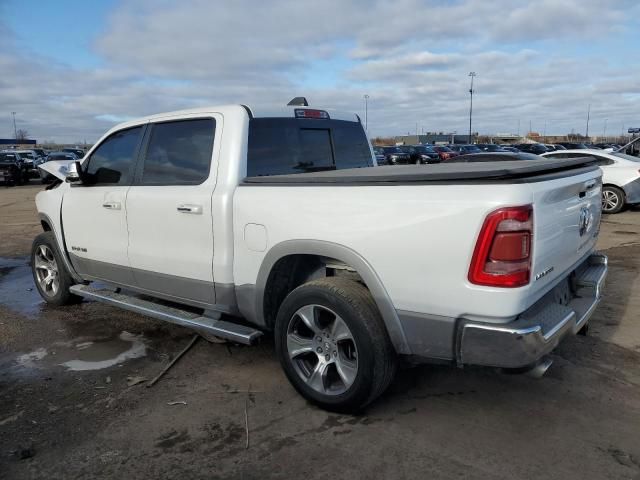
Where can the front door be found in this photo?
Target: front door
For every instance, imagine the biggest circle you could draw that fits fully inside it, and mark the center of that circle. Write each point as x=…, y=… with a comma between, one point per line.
x=94, y=213
x=169, y=211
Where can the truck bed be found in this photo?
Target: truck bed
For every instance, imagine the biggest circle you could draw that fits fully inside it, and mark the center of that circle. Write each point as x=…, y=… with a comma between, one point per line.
x=479, y=172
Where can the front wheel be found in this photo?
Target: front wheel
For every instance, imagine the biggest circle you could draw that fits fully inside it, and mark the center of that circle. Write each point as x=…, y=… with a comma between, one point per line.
x=333, y=345
x=612, y=199
x=49, y=274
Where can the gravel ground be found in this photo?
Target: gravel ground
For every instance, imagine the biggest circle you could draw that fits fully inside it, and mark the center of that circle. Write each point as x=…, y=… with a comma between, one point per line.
x=71, y=405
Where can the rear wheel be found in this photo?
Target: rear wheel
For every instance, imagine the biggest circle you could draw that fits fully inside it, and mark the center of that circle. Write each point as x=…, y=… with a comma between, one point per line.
x=333, y=345
x=612, y=199
x=51, y=278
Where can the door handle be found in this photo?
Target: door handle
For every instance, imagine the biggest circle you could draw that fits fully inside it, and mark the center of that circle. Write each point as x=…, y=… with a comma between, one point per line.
x=112, y=205
x=188, y=208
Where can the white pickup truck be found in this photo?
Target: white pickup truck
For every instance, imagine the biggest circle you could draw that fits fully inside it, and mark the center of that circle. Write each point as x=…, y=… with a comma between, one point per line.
x=235, y=222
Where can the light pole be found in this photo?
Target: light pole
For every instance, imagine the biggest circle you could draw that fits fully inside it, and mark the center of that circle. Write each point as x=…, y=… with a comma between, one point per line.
x=472, y=75
x=15, y=131
x=366, y=113
x=588, y=115
x=604, y=133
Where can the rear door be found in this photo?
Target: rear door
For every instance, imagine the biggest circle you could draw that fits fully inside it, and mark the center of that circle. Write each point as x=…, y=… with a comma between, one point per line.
x=169, y=210
x=94, y=213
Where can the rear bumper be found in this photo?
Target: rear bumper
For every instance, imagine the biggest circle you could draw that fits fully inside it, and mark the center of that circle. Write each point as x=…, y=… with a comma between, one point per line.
x=632, y=191
x=537, y=331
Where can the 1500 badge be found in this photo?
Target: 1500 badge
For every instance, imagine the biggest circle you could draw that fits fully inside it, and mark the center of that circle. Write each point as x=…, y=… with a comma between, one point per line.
x=78, y=249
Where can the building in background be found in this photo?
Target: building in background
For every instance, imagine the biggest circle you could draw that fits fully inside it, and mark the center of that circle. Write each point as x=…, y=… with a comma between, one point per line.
x=6, y=142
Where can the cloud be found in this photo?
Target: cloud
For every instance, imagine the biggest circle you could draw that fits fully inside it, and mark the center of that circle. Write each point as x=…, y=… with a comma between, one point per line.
x=543, y=61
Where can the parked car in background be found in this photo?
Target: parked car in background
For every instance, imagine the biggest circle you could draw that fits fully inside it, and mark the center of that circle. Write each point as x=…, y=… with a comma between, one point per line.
x=494, y=157
x=40, y=153
x=445, y=153
x=462, y=149
x=536, y=148
x=510, y=148
x=395, y=156
x=557, y=147
x=620, y=176
x=379, y=153
x=421, y=154
x=11, y=169
x=78, y=152
x=28, y=161
x=490, y=147
x=573, y=145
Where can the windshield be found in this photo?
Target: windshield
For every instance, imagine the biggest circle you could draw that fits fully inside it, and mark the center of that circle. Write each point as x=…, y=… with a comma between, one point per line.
x=26, y=155
x=624, y=156
x=442, y=149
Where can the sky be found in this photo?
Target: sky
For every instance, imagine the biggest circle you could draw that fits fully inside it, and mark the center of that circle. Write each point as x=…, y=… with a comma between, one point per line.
x=72, y=69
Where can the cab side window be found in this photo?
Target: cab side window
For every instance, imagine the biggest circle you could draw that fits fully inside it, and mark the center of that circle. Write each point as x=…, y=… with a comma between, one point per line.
x=112, y=162
x=179, y=153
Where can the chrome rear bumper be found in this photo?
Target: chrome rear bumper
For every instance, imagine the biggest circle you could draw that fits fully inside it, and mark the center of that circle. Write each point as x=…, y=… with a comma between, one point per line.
x=523, y=342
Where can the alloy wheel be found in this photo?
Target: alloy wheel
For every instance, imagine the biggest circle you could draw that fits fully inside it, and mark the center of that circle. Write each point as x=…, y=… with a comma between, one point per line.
x=610, y=200
x=46, y=269
x=322, y=349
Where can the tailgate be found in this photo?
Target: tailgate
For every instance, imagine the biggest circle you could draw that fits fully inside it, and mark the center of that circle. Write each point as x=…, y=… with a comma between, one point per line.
x=566, y=225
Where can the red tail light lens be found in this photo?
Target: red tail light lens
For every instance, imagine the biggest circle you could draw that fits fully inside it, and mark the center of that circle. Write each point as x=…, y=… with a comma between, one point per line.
x=502, y=256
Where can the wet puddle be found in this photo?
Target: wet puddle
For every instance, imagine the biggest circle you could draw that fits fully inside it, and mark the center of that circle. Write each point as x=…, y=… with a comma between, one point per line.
x=17, y=290
x=87, y=354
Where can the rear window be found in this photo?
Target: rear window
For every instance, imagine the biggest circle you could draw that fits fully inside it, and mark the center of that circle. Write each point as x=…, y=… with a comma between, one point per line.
x=282, y=146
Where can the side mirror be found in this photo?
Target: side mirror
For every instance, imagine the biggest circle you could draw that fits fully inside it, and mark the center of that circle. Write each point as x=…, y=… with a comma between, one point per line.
x=73, y=173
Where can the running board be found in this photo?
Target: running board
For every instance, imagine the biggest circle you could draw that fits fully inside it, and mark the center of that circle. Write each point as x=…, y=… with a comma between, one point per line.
x=207, y=326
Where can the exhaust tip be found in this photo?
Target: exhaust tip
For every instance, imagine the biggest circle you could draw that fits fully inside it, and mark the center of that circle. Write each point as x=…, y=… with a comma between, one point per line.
x=540, y=368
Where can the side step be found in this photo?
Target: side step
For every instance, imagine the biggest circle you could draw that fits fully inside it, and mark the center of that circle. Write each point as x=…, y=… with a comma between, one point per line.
x=207, y=326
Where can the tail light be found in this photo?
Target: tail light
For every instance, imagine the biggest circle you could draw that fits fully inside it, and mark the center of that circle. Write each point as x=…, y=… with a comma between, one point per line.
x=502, y=256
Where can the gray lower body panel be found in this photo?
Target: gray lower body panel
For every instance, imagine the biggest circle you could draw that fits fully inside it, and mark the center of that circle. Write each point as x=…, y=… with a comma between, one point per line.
x=429, y=336
x=632, y=191
x=197, y=293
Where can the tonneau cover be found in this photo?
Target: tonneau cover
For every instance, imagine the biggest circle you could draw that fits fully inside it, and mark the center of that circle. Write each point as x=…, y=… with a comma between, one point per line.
x=440, y=172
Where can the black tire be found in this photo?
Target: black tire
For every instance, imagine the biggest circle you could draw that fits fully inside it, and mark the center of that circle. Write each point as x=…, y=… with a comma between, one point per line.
x=61, y=296
x=613, y=199
x=376, y=358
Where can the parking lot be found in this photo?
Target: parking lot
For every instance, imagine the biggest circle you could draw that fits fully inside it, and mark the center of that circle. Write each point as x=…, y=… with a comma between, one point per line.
x=75, y=401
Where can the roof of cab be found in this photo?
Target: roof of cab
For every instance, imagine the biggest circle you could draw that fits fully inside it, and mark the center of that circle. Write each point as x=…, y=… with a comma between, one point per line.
x=280, y=112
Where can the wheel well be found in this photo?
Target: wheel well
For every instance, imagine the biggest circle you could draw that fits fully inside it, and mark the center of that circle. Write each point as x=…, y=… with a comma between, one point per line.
x=45, y=226
x=291, y=271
